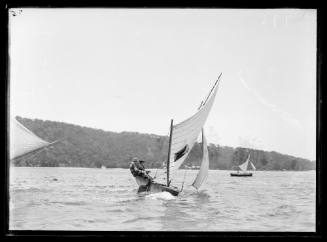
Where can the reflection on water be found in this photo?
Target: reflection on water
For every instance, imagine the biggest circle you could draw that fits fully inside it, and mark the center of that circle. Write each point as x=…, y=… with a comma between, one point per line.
x=107, y=199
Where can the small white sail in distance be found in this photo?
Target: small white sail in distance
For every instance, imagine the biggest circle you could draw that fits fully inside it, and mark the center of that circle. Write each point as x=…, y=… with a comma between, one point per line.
x=22, y=140
x=244, y=166
x=253, y=167
x=203, y=172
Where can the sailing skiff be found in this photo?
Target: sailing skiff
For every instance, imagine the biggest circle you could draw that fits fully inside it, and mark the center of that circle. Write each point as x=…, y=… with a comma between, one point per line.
x=182, y=137
x=244, y=168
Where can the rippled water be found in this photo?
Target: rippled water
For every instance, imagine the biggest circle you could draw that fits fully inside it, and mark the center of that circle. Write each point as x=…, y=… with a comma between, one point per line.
x=106, y=199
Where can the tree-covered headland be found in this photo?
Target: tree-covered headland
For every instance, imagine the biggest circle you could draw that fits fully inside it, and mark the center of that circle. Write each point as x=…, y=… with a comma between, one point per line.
x=88, y=147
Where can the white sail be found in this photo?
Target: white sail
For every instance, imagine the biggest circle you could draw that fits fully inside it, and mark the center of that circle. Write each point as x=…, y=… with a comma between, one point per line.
x=253, y=167
x=244, y=166
x=22, y=140
x=203, y=172
x=185, y=134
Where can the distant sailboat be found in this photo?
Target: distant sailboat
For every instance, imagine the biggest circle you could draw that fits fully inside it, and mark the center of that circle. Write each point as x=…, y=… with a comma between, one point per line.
x=22, y=141
x=244, y=168
x=182, y=137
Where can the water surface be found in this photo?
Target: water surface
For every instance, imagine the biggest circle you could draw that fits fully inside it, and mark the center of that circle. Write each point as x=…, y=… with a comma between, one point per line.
x=106, y=199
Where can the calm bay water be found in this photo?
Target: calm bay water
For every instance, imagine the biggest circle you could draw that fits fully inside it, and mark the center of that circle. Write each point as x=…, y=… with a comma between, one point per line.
x=107, y=199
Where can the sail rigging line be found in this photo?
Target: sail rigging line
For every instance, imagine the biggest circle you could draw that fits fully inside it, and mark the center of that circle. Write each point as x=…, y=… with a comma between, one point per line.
x=200, y=105
x=217, y=81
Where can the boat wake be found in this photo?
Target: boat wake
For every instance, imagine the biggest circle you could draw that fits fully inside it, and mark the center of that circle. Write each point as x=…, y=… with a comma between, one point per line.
x=202, y=194
x=161, y=196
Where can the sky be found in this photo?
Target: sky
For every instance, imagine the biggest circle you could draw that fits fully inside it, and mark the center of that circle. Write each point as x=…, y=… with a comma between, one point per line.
x=135, y=69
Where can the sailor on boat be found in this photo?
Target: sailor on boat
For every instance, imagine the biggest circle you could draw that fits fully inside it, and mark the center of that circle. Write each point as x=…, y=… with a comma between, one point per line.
x=182, y=137
x=138, y=170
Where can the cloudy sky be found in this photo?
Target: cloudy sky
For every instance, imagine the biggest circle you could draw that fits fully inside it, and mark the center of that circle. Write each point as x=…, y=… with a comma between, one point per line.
x=135, y=69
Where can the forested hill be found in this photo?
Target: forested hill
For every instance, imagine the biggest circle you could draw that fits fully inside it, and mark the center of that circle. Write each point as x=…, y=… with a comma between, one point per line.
x=87, y=147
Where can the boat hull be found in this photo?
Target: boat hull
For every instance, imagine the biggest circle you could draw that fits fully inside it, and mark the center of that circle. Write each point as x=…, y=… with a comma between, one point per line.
x=155, y=187
x=240, y=174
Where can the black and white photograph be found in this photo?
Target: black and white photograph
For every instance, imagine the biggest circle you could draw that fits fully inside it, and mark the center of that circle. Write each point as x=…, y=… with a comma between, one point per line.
x=162, y=119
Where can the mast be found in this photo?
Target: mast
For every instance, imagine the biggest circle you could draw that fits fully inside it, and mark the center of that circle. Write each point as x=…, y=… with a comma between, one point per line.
x=212, y=89
x=169, y=148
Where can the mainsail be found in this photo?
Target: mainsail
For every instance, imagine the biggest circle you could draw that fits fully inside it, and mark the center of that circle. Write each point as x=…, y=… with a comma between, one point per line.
x=203, y=172
x=22, y=140
x=184, y=135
